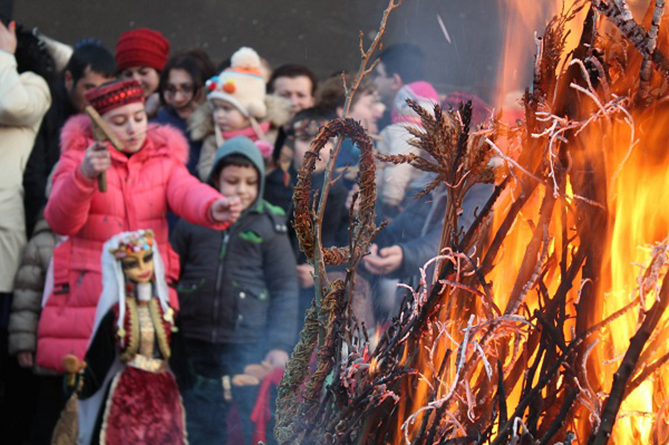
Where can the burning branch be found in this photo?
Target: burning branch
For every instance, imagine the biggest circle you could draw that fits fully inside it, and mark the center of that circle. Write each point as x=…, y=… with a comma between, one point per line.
x=646, y=65
x=618, y=12
x=631, y=360
x=543, y=316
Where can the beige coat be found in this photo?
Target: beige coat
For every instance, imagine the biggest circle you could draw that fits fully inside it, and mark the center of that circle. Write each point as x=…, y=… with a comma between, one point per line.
x=24, y=100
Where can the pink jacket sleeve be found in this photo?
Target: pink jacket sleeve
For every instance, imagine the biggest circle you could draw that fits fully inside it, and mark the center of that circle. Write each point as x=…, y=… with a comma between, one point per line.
x=70, y=201
x=191, y=199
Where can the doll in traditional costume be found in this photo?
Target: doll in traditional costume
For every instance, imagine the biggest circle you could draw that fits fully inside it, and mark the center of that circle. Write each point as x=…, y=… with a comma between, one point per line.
x=128, y=395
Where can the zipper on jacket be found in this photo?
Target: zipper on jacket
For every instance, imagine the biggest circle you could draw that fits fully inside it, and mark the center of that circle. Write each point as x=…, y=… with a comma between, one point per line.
x=219, y=273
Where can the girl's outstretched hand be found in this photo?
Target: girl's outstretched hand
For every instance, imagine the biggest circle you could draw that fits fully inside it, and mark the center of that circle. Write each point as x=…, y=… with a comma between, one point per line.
x=226, y=209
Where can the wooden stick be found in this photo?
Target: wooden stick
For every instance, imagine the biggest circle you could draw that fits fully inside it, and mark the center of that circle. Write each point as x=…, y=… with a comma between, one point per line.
x=621, y=17
x=627, y=367
x=642, y=96
x=102, y=133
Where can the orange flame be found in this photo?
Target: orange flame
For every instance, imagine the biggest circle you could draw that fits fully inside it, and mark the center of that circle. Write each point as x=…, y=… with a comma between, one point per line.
x=636, y=162
x=638, y=177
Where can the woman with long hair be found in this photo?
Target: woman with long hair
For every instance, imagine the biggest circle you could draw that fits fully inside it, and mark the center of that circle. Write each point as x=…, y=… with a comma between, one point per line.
x=181, y=91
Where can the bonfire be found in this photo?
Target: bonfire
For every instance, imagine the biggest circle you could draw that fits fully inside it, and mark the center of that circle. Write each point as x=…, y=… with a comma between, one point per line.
x=546, y=321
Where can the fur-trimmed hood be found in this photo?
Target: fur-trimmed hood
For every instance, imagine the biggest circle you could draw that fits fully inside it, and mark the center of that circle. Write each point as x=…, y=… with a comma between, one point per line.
x=165, y=139
x=201, y=122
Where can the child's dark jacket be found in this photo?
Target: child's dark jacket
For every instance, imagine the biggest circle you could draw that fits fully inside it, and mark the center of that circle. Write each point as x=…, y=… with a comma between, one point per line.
x=239, y=285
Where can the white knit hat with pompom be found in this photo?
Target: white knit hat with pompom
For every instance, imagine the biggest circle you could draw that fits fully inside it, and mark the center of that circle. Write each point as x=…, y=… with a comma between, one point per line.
x=242, y=84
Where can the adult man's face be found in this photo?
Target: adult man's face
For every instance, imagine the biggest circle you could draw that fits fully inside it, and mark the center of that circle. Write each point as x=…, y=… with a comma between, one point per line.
x=77, y=91
x=297, y=90
x=386, y=85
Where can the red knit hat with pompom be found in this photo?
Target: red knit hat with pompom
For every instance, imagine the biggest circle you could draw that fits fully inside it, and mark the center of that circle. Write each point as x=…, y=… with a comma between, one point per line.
x=142, y=47
x=115, y=94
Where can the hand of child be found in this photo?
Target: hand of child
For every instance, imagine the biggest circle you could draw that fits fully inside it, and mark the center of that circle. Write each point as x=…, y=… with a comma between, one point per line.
x=226, y=209
x=277, y=358
x=8, y=37
x=305, y=275
x=387, y=261
x=96, y=160
x=25, y=359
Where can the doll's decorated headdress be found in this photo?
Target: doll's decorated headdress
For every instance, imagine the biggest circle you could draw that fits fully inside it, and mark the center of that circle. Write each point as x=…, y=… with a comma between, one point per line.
x=113, y=279
x=133, y=242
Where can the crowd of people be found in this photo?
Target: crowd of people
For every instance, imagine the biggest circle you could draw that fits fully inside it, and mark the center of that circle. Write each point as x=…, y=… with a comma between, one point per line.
x=203, y=170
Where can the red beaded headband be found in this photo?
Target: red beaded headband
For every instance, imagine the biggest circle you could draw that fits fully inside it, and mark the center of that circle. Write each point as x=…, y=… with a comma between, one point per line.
x=113, y=95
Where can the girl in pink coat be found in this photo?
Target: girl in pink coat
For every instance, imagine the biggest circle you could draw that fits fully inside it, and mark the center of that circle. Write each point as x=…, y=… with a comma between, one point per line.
x=144, y=180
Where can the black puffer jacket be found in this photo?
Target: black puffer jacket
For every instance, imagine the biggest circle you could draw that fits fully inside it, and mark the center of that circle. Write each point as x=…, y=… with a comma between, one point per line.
x=240, y=285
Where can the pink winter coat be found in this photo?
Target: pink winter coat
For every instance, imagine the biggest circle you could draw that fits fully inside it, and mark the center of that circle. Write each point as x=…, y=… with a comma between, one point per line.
x=140, y=191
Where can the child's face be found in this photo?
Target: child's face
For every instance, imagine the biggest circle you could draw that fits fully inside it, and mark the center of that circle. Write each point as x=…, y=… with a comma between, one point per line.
x=129, y=125
x=302, y=145
x=227, y=117
x=147, y=77
x=242, y=182
x=368, y=110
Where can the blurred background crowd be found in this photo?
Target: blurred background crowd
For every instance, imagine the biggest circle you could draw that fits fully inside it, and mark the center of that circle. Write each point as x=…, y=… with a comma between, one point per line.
x=206, y=80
